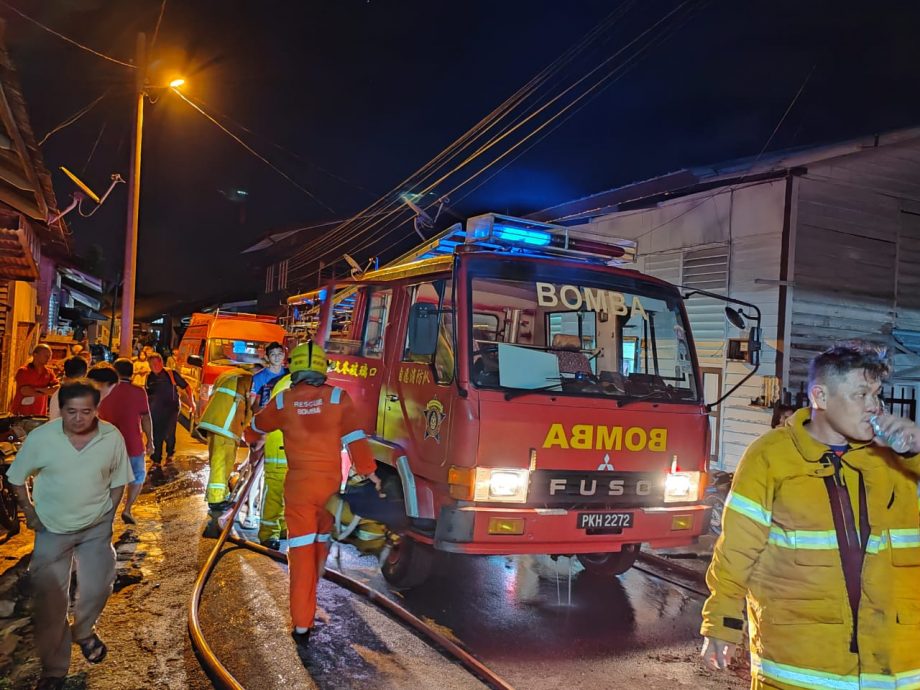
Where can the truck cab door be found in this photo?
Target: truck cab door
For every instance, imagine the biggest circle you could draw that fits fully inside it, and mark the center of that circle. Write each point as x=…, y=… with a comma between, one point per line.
x=356, y=342
x=419, y=388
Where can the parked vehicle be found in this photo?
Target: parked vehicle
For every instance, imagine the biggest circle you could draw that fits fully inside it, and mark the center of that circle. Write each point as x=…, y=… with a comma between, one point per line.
x=13, y=430
x=213, y=343
x=526, y=396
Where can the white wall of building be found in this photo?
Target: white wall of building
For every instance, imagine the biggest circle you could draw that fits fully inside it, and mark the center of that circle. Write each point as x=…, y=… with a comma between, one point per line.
x=741, y=226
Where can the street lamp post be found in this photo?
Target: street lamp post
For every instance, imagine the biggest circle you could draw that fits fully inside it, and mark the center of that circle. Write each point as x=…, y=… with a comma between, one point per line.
x=134, y=191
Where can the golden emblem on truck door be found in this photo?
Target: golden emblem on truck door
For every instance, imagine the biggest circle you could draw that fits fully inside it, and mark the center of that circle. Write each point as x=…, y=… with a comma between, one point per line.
x=434, y=417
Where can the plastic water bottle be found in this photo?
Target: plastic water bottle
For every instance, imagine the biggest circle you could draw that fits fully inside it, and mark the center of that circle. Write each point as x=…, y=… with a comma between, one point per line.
x=899, y=442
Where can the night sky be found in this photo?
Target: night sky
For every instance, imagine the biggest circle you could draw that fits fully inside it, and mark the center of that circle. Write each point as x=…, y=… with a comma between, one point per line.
x=359, y=93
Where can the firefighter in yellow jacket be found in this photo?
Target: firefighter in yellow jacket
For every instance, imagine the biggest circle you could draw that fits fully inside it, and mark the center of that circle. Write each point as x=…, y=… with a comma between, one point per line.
x=271, y=522
x=821, y=539
x=227, y=414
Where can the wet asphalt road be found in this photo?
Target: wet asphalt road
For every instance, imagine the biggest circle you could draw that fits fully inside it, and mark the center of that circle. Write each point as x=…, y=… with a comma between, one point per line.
x=516, y=615
x=523, y=616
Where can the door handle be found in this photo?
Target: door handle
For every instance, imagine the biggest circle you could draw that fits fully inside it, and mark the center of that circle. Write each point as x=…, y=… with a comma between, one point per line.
x=393, y=398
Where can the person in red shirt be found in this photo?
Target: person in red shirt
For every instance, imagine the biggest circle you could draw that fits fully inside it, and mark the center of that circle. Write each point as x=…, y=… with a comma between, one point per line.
x=35, y=383
x=317, y=420
x=126, y=407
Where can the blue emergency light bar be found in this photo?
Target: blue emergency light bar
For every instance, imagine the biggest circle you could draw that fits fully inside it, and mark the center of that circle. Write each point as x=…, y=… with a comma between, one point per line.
x=520, y=234
x=535, y=238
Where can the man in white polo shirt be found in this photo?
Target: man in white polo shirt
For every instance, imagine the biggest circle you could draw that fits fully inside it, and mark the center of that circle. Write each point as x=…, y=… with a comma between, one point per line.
x=80, y=468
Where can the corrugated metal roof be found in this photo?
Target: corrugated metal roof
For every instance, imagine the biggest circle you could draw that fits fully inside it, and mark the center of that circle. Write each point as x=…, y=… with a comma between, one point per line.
x=687, y=181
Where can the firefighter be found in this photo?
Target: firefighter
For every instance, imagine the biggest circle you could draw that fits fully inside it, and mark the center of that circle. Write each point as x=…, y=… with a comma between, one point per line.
x=317, y=420
x=271, y=523
x=820, y=540
x=223, y=421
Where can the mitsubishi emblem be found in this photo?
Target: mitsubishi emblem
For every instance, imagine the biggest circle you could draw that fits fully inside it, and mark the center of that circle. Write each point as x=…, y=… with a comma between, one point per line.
x=606, y=465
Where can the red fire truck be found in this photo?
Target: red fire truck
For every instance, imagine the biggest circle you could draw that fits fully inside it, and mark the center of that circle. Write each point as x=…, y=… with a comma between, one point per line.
x=525, y=396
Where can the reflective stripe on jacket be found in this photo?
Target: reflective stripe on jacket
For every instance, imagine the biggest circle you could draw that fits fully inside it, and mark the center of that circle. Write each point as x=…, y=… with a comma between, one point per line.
x=779, y=549
x=316, y=422
x=275, y=459
x=228, y=409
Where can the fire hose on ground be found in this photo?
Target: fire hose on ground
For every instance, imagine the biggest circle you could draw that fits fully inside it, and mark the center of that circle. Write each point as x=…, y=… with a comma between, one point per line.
x=219, y=673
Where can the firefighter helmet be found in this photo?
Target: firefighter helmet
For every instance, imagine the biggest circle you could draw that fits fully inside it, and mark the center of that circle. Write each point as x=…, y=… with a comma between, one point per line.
x=309, y=357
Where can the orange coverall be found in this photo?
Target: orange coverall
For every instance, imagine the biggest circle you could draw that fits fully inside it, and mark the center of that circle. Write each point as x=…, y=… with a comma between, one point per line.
x=316, y=421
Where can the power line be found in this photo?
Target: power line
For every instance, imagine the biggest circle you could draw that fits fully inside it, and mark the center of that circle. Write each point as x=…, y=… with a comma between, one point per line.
x=480, y=129
x=255, y=153
x=750, y=169
x=354, y=224
x=281, y=148
x=66, y=38
x=73, y=118
x=92, y=151
x=156, y=30
x=604, y=80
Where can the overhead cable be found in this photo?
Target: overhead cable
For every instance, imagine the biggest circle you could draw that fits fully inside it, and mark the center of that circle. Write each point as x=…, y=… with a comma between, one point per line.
x=255, y=153
x=292, y=154
x=156, y=30
x=479, y=130
x=605, y=79
x=393, y=200
x=751, y=167
x=66, y=38
x=73, y=118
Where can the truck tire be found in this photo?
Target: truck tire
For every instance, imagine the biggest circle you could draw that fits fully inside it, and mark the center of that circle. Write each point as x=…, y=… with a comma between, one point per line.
x=717, y=503
x=407, y=563
x=610, y=564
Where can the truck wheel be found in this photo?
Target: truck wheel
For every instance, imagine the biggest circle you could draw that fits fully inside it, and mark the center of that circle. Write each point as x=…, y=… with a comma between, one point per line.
x=406, y=563
x=717, y=503
x=610, y=564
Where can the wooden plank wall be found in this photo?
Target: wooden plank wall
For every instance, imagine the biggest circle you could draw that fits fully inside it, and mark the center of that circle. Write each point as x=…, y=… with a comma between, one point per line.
x=857, y=253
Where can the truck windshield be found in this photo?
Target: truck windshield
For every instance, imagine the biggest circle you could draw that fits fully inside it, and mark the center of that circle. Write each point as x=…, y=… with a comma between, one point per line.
x=593, y=334
x=235, y=353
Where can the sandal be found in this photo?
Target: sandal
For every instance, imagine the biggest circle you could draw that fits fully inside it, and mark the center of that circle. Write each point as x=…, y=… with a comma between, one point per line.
x=93, y=648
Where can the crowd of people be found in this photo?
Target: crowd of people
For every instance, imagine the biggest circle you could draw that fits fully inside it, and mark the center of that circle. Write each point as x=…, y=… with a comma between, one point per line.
x=104, y=420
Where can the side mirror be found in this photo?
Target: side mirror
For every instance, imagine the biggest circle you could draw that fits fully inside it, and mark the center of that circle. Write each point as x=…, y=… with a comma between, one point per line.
x=734, y=317
x=754, y=345
x=423, y=329
x=195, y=360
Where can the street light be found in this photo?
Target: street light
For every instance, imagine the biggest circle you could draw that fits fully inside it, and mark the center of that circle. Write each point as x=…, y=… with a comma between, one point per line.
x=134, y=197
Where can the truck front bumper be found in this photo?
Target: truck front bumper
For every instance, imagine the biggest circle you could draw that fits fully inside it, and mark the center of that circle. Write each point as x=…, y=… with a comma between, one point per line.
x=466, y=529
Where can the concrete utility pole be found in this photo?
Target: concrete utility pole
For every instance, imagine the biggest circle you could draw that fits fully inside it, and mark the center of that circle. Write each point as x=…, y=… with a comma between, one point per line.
x=134, y=194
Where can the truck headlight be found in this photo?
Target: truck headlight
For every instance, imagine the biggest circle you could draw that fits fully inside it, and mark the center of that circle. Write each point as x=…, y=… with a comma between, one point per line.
x=682, y=487
x=489, y=484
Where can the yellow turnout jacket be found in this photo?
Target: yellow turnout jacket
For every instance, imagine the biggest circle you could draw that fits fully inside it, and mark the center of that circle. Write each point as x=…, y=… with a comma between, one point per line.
x=228, y=410
x=780, y=550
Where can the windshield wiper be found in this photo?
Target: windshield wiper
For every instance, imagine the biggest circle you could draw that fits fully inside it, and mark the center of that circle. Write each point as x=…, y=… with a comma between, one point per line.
x=512, y=393
x=665, y=394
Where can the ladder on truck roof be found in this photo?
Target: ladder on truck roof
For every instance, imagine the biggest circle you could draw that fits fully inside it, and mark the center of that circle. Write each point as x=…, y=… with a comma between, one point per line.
x=498, y=233
x=489, y=232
